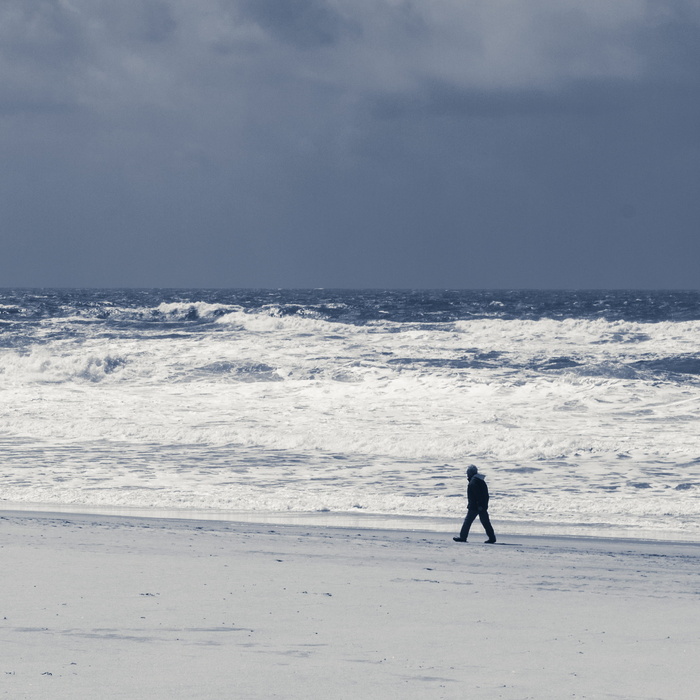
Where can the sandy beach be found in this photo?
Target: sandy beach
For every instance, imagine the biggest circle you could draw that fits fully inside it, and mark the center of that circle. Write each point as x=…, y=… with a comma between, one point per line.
x=110, y=607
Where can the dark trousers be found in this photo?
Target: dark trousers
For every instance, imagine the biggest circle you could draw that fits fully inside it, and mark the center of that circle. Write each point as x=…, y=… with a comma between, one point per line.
x=485, y=521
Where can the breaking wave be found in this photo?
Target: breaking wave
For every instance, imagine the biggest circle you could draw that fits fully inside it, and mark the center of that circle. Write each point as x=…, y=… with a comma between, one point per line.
x=326, y=400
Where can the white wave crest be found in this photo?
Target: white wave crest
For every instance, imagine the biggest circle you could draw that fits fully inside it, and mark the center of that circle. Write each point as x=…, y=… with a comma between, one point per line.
x=194, y=310
x=43, y=366
x=270, y=321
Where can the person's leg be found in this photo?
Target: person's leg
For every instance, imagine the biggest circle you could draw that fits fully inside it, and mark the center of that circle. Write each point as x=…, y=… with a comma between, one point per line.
x=486, y=522
x=471, y=515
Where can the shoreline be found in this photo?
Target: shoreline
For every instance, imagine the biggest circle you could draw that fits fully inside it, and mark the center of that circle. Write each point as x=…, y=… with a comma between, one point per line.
x=398, y=525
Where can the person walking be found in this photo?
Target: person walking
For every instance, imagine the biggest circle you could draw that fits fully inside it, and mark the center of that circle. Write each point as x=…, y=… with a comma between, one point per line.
x=477, y=504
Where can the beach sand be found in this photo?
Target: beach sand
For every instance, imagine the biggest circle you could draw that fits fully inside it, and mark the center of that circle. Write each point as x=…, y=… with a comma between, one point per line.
x=110, y=607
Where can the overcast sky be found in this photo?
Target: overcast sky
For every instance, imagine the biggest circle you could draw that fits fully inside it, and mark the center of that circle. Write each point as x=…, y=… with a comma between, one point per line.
x=350, y=143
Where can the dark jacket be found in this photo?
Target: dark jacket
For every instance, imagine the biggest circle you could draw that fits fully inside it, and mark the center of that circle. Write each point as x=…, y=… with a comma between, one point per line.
x=477, y=493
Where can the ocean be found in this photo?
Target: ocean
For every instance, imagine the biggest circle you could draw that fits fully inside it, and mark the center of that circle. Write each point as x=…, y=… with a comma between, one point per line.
x=581, y=408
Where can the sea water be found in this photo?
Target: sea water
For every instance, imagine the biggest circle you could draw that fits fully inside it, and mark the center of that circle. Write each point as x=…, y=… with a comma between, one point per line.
x=581, y=408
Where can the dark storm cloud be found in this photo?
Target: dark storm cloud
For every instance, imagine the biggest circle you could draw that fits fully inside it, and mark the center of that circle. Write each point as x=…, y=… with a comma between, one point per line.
x=39, y=45
x=304, y=23
x=52, y=52
x=349, y=143
x=437, y=99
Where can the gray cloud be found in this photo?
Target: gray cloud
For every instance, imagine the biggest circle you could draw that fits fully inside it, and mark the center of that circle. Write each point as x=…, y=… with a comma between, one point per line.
x=303, y=23
x=339, y=143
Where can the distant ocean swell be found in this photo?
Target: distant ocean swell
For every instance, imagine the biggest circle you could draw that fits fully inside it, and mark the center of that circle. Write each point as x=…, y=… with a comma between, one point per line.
x=581, y=407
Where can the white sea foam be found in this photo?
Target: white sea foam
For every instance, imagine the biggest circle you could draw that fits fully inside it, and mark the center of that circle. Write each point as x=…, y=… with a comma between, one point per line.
x=571, y=419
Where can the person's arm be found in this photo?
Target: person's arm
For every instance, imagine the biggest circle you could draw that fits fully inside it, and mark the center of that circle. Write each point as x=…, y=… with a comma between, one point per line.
x=483, y=496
